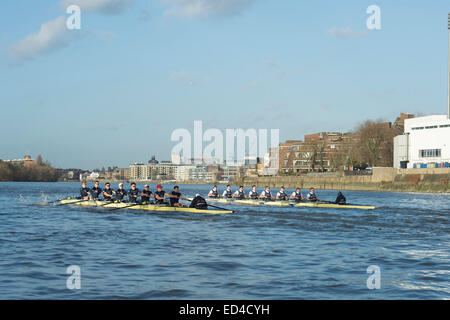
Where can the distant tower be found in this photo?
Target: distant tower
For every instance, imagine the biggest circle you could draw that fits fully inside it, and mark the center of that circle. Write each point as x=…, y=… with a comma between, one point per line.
x=153, y=161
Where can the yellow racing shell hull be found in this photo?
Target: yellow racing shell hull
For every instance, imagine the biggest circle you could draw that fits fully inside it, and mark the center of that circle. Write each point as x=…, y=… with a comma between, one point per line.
x=143, y=207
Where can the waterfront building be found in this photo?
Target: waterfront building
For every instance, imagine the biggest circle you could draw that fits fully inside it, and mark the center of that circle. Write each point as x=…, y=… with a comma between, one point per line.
x=399, y=123
x=425, y=143
x=175, y=158
x=153, y=171
x=232, y=173
x=270, y=166
x=315, y=153
x=26, y=161
x=196, y=173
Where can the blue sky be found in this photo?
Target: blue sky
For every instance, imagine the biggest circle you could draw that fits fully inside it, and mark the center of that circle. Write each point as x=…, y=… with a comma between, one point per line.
x=113, y=92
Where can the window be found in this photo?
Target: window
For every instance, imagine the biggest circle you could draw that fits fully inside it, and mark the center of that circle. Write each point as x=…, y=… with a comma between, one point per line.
x=417, y=128
x=431, y=127
x=430, y=153
x=444, y=126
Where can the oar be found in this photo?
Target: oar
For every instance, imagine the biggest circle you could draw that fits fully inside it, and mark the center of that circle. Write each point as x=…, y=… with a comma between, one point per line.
x=105, y=204
x=134, y=204
x=72, y=202
x=332, y=202
x=190, y=200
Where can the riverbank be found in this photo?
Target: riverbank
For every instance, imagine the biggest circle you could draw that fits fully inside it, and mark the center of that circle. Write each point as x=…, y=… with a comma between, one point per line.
x=382, y=179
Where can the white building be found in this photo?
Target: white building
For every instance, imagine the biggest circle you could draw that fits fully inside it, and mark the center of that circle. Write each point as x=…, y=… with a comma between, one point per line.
x=193, y=173
x=152, y=171
x=424, y=144
x=93, y=176
x=182, y=173
x=175, y=158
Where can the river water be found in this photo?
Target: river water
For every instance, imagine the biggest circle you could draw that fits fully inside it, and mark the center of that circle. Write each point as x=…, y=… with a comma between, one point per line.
x=255, y=253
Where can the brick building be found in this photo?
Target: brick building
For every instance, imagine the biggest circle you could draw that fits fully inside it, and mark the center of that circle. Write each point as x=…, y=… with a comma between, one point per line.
x=317, y=152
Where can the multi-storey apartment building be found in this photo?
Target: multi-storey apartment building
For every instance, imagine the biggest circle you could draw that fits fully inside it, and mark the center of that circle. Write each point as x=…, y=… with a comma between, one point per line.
x=316, y=153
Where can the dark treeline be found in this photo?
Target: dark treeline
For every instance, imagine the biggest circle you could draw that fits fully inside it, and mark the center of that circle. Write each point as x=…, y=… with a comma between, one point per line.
x=35, y=171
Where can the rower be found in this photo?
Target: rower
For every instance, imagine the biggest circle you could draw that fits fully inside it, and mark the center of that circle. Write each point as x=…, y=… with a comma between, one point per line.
x=121, y=192
x=281, y=195
x=198, y=203
x=297, y=195
x=213, y=193
x=253, y=194
x=340, y=199
x=146, y=194
x=108, y=193
x=84, y=191
x=239, y=194
x=266, y=195
x=227, y=193
x=133, y=194
x=160, y=195
x=96, y=190
x=312, y=195
x=175, y=197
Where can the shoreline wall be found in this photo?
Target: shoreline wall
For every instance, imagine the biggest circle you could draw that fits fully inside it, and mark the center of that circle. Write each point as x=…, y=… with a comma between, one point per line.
x=433, y=180
x=382, y=179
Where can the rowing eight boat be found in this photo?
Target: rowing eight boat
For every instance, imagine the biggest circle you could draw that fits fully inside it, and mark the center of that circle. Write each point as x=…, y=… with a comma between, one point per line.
x=250, y=202
x=146, y=207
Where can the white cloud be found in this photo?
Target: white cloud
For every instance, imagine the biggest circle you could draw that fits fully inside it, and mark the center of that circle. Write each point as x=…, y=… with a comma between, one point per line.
x=346, y=32
x=52, y=35
x=205, y=8
x=100, y=6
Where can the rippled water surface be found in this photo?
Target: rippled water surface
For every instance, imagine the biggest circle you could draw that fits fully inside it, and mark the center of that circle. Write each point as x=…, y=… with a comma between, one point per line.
x=256, y=253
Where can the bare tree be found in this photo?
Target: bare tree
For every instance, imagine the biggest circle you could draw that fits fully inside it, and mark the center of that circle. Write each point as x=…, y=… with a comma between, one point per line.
x=374, y=143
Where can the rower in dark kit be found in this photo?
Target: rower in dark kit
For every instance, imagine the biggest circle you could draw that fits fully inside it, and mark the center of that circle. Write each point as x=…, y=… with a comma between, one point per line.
x=146, y=194
x=96, y=191
x=227, y=194
x=253, y=194
x=133, y=194
x=198, y=203
x=239, y=194
x=312, y=195
x=282, y=195
x=108, y=193
x=84, y=191
x=266, y=195
x=341, y=199
x=120, y=192
x=297, y=195
x=175, y=197
x=160, y=195
x=213, y=193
